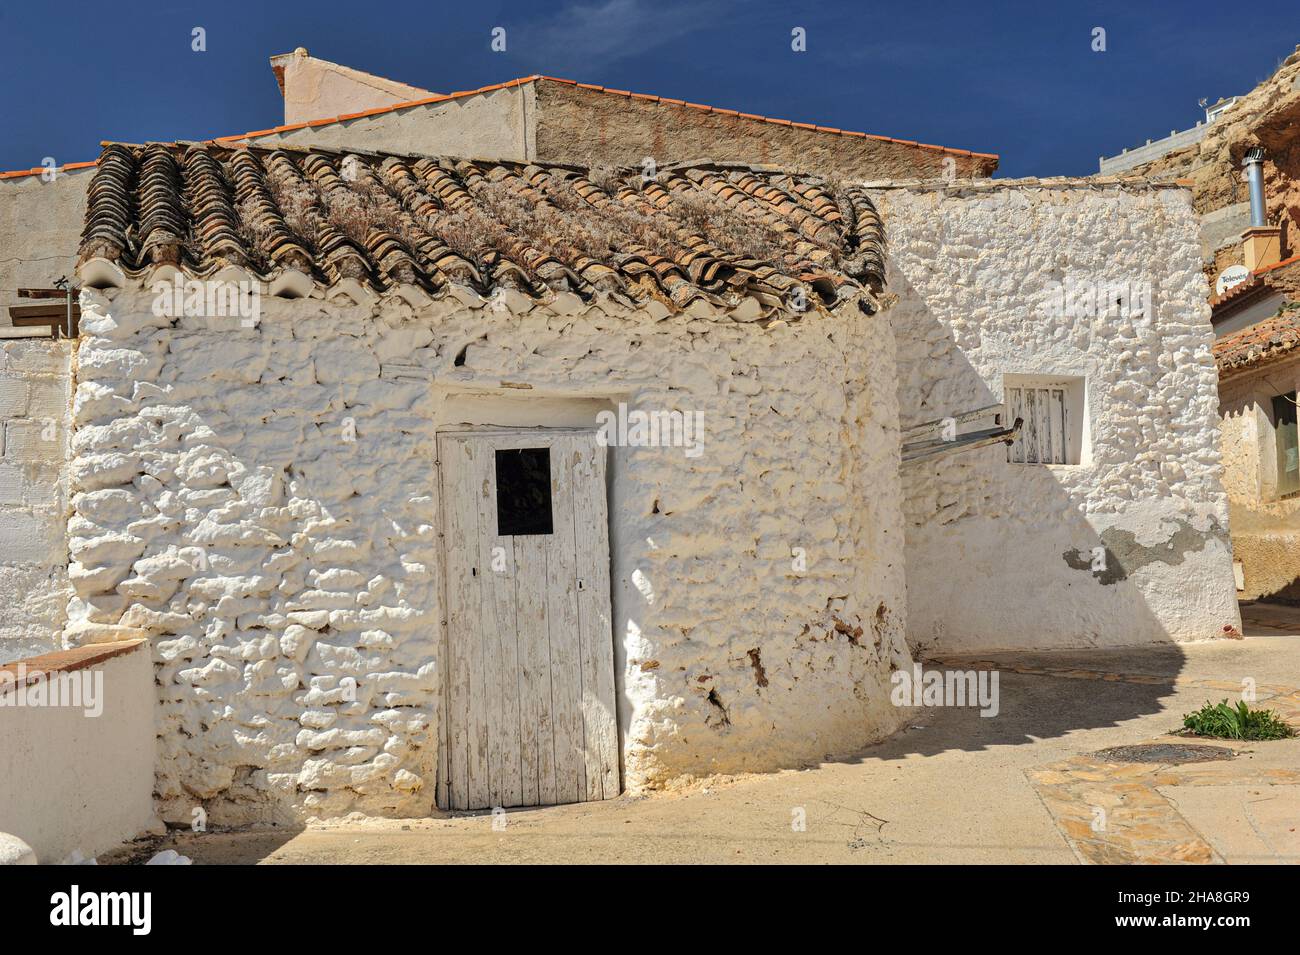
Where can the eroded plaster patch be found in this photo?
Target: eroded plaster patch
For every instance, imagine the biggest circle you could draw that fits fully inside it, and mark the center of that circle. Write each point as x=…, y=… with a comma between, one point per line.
x=1123, y=555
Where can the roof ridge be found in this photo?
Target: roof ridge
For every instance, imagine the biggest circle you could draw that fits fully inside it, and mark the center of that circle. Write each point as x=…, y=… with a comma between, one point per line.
x=533, y=78
x=538, y=77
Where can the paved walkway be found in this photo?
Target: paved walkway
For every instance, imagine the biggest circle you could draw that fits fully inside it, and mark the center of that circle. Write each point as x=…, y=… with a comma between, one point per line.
x=1023, y=787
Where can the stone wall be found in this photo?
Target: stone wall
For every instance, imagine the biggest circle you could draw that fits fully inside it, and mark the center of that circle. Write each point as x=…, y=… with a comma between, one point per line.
x=559, y=122
x=1003, y=555
x=220, y=510
x=34, y=403
x=493, y=125
x=589, y=127
x=1265, y=527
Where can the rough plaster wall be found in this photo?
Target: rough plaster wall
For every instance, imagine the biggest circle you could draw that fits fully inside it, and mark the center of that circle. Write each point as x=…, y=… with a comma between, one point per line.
x=994, y=549
x=1265, y=529
x=40, y=226
x=34, y=404
x=317, y=89
x=588, y=127
x=222, y=449
x=494, y=125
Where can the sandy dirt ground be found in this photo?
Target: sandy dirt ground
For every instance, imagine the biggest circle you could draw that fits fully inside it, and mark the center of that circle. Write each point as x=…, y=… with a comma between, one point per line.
x=951, y=788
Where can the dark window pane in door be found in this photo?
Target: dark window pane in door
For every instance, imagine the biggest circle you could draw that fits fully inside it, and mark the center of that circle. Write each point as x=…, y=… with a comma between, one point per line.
x=523, y=492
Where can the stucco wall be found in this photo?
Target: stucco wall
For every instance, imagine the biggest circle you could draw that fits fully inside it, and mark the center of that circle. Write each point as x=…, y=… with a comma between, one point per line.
x=999, y=555
x=589, y=127
x=40, y=226
x=220, y=511
x=79, y=777
x=1265, y=528
x=314, y=88
x=495, y=125
x=34, y=418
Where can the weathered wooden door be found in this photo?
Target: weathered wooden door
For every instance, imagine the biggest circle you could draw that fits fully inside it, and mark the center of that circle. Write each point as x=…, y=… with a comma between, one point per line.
x=528, y=703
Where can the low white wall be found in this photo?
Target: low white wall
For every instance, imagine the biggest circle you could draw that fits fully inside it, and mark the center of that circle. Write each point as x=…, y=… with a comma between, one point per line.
x=1000, y=555
x=71, y=780
x=34, y=410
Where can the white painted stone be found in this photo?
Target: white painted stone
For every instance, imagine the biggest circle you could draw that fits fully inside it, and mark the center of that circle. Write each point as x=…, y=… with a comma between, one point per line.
x=987, y=540
x=278, y=537
x=13, y=851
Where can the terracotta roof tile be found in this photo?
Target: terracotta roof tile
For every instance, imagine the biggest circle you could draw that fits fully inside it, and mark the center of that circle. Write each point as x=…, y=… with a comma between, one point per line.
x=1263, y=342
x=722, y=232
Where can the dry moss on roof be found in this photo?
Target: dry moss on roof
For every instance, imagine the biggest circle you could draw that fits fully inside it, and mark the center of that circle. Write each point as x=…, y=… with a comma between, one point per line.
x=723, y=232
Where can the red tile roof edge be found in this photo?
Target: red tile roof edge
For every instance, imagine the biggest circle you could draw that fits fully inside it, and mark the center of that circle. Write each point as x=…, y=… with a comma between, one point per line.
x=63, y=661
x=442, y=98
x=37, y=170
x=663, y=100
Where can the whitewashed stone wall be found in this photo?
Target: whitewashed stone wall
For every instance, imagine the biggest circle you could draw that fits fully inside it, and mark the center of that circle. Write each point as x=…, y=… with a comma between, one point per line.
x=999, y=555
x=218, y=510
x=34, y=412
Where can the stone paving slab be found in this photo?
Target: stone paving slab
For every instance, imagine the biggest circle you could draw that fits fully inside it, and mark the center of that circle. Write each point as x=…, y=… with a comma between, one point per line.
x=1126, y=813
x=1245, y=823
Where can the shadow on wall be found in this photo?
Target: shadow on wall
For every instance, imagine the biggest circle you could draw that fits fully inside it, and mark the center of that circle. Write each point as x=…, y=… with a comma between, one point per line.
x=1112, y=551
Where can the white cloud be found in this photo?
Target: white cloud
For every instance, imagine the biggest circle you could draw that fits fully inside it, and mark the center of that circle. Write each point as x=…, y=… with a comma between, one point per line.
x=582, y=37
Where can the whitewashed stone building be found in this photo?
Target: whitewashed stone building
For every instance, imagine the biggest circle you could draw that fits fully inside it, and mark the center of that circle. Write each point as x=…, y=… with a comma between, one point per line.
x=1080, y=304
x=507, y=483
x=332, y=520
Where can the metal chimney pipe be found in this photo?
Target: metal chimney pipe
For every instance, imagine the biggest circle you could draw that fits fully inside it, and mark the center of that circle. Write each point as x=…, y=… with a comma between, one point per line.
x=1254, y=163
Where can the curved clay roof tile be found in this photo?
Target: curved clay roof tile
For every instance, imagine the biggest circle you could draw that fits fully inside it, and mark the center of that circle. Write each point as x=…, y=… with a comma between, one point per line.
x=717, y=232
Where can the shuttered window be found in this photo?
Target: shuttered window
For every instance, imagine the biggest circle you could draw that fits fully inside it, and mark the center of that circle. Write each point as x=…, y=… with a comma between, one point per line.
x=1043, y=437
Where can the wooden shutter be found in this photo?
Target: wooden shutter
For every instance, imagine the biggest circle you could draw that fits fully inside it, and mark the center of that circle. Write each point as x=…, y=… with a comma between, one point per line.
x=1042, y=438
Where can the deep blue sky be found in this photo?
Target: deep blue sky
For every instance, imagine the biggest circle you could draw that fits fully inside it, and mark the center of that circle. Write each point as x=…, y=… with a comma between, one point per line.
x=1016, y=78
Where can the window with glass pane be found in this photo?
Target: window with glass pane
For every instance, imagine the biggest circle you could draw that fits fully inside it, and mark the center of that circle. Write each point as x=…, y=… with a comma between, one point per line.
x=1288, y=451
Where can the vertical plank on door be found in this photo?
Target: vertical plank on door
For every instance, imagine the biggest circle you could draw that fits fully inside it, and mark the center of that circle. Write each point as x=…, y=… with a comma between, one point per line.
x=562, y=618
x=595, y=634
x=1045, y=436
x=1016, y=409
x=460, y=523
x=501, y=670
x=1061, y=451
x=536, y=719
